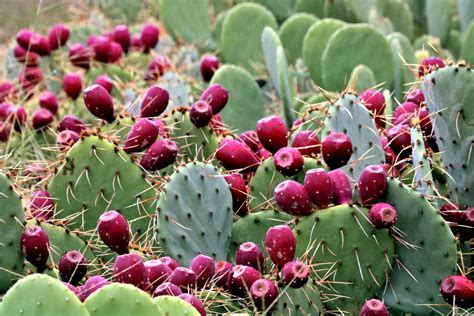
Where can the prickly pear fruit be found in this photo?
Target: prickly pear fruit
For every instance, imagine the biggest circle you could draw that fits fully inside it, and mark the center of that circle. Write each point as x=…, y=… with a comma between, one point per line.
x=264, y=292
x=373, y=307
x=416, y=96
x=102, y=47
x=242, y=278
x=200, y=113
x=209, y=65
x=204, y=268
x=67, y=138
x=372, y=184
x=184, y=278
x=239, y=191
x=161, y=154
x=249, y=254
x=459, y=290
x=170, y=262
x=156, y=273
x=167, y=288
x=451, y=212
x=292, y=198
x=99, y=102
x=80, y=56
x=48, y=100
x=154, y=102
x=157, y=67
x=72, y=267
x=373, y=100
x=194, y=301
x=42, y=118
x=129, y=268
x=121, y=35
x=35, y=246
x=91, y=285
x=429, y=64
x=233, y=155
x=342, y=191
x=149, y=36
x=58, y=35
x=288, y=161
x=71, y=123
x=295, y=274
x=272, y=133
x=337, y=150
x=382, y=215
x=41, y=205
x=250, y=139
x=217, y=97
x=105, y=81
x=307, y=142
x=280, y=244
x=114, y=231
x=143, y=133
x=319, y=186
x=223, y=270
x=399, y=140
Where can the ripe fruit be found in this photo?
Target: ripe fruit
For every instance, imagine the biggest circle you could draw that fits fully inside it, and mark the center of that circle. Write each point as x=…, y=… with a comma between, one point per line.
x=459, y=290
x=35, y=246
x=382, y=215
x=239, y=191
x=72, y=267
x=342, y=191
x=143, y=133
x=217, y=97
x=156, y=273
x=114, y=232
x=149, y=36
x=292, y=198
x=372, y=184
x=184, y=278
x=41, y=205
x=194, y=301
x=204, y=268
x=72, y=85
x=99, y=102
x=272, y=133
x=249, y=254
x=167, y=288
x=233, y=155
x=319, y=186
x=242, y=278
x=129, y=268
x=223, y=270
x=337, y=150
x=295, y=274
x=307, y=142
x=429, y=64
x=209, y=65
x=264, y=293
x=373, y=307
x=288, y=161
x=48, y=100
x=280, y=244
x=42, y=118
x=161, y=154
x=154, y=102
x=200, y=114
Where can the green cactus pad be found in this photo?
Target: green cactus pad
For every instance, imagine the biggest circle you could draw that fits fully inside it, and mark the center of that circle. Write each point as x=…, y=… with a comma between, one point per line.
x=421, y=163
x=40, y=295
x=195, y=214
x=449, y=95
x=314, y=44
x=349, y=116
x=172, y=306
x=465, y=10
x=217, y=31
x=178, y=89
x=315, y=7
x=119, y=9
x=362, y=78
x=121, y=299
x=292, y=33
x=372, y=50
x=363, y=9
x=351, y=256
x=401, y=17
x=119, y=128
x=281, y=9
x=438, y=18
x=266, y=179
x=188, y=22
x=193, y=142
x=11, y=221
x=338, y=9
x=402, y=56
x=467, y=44
x=240, y=38
x=426, y=256
x=218, y=302
x=300, y=302
x=97, y=176
x=245, y=106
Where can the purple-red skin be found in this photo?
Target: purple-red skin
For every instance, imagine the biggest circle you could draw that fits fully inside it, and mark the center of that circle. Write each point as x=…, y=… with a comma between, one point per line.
x=216, y=125
x=149, y=36
x=99, y=102
x=399, y=140
x=295, y=274
x=72, y=267
x=337, y=150
x=102, y=47
x=72, y=85
x=27, y=58
x=105, y=81
x=204, y=268
x=416, y=96
x=41, y=205
x=292, y=198
x=209, y=65
x=35, y=246
x=6, y=110
x=342, y=191
x=194, y=301
x=72, y=288
x=80, y=56
x=382, y=215
x=91, y=285
x=451, y=212
x=184, y=278
x=280, y=243
x=40, y=44
x=404, y=108
x=373, y=307
x=71, y=123
x=156, y=274
x=241, y=279
x=264, y=293
x=136, y=42
x=249, y=254
x=121, y=35
x=67, y=138
x=161, y=154
x=233, y=155
x=468, y=217
x=373, y=100
x=19, y=116
x=114, y=231
x=250, y=139
x=263, y=154
x=200, y=113
x=58, y=35
x=459, y=290
x=7, y=90
x=116, y=52
x=154, y=102
x=23, y=38
x=42, y=118
x=167, y=288
x=217, y=97
x=129, y=268
x=143, y=133
x=157, y=67
x=170, y=262
x=4, y=131
x=430, y=64
x=162, y=129
x=288, y=161
x=307, y=142
x=29, y=78
x=223, y=269
x=319, y=186
x=390, y=155
x=272, y=133
x=48, y=100
x=239, y=191
x=372, y=184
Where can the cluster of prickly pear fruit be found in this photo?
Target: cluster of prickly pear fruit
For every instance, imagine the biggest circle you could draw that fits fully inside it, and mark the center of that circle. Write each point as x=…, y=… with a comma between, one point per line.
x=301, y=164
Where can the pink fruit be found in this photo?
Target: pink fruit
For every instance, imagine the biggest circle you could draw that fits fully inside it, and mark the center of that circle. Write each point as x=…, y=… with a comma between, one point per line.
x=204, y=268
x=337, y=150
x=29, y=78
x=295, y=274
x=154, y=102
x=149, y=36
x=114, y=231
x=40, y=44
x=319, y=186
x=105, y=81
x=288, y=161
x=156, y=273
x=143, y=133
x=19, y=117
x=71, y=123
x=157, y=67
x=399, y=140
x=121, y=35
x=170, y=262
x=116, y=52
x=373, y=307
x=161, y=154
x=200, y=114
x=73, y=289
x=72, y=267
x=459, y=290
x=342, y=191
x=184, y=278
x=41, y=205
x=250, y=139
x=99, y=102
x=239, y=191
x=91, y=285
x=209, y=65
x=58, y=36
x=27, y=58
x=233, y=155
x=429, y=64
x=264, y=293
x=280, y=244
x=137, y=42
x=272, y=133
x=382, y=215
x=48, y=100
x=35, y=246
x=67, y=138
x=263, y=154
x=372, y=184
x=404, y=108
x=4, y=131
x=167, y=288
x=373, y=100
x=292, y=198
x=102, y=47
x=129, y=268
x=307, y=142
x=223, y=269
x=390, y=155
x=416, y=96
x=162, y=129
x=80, y=56
x=72, y=85
x=451, y=212
x=217, y=97
x=23, y=38
x=42, y=118
x=241, y=279
x=249, y=254
x=7, y=90
x=194, y=301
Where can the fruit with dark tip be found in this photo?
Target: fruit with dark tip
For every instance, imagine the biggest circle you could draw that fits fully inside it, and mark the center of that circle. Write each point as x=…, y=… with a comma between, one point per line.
x=200, y=113
x=99, y=102
x=114, y=231
x=280, y=243
x=307, y=142
x=372, y=184
x=204, y=268
x=72, y=267
x=154, y=102
x=209, y=65
x=241, y=279
x=295, y=274
x=272, y=133
x=249, y=254
x=41, y=205
x=217, y=97
x=233, y=155
x=72, y=85
x=292, y=198
x=161, y=154
x=80, y=56
x=167, y=288
x=382, y=215
x=319, y=186
x=129, y=268
x=337, y=150
x=143, y=133
x=121, y=35
x=342, y=191
x=194, y=301
x=184, y=278
x=264, y=293
x=35, y=246
x=373, y=307
x=288, y=161
x=239, y=191
x=459, y=290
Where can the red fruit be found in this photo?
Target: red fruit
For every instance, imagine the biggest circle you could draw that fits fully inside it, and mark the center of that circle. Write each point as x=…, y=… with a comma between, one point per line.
x=40, y=44
x=223, y=269
x=216, y=124
x=429, y=64
x=263, y=154
x=459, y=290
x=49, y=101
x=307, y=142
x=373, y=100
x=249, y=254
x=264, y=293
x=73, y=289
x=27, y=58
x=42, y=118
x=72, y=267
x=102, y=47
x=7, y=90
x=217, y=97
x=451, y=213
x=154, y=102
x=184, y=278
x=416, y=96
x=72, y=85
x=149, y=36
x=337, y=150
x=250, y=139
x=99, y=102
x=105, y=81
x=137, y=42
x=194, y=301
x=67, y=138
x=241, y=279
x=167, y=288
x=80, y=56
x=71, y=123
x=19, y=117
x=239, y=191
x=200, y=113
x=288, y=161
x=319, y=186
x=114, y=232
x=129, y=268
x=404, y=111
x=390, y=155
x=116, y=52
x=91, y=285
x=170, y=262
x=41, y=205
x=29, y=78
x=204, y=268
x=295, y=274
x=373, y=307
x=292, y=198
x=272, y=133
x=234, y=155
x=161, y=154
x=382, y=215
x=121, y=35
x=341, y=187
x=156, y=273
x=399, y=140
x=4, y=131
x=35, y=246
x=157, y=67
x=58, y=36
x=162, y=129
x=209, y=65
x=280, y=244
x=143, y=133
x=23, y=38
x=372, y=184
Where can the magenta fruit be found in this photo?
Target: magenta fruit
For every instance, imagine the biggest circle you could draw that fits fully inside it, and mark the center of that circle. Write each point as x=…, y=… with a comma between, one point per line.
x=48, y=100
x=102, y=47
x=250, y=139
x=307, y=142
x=71, y=123
x=115, y=52
x=372, y=184
x=143, y=133
x=399, y=140
x=233, y=155
x=458, y=289
x=184, y=278
x=72, y=85
x=67, y=138
x=200, y=114
x=342, y=191
x=7, y=91
x=23, y=38
x=272, y=133
x=154, y=102
x=223, y=269
x=319, y=186
x=209, y=65
x=72, y=288
x=217, y=97
x=41, y=205
x=292, y=198
x=149, y=36
x=129, y=268
x=280, y=244
x=337, y=150
x=99, y=102
x=194, y=301
x=114, y=231
x=288, y=161
x=121, y=35
x=156, y=274
x=204, y=268
x=42, y=118
x=373, y=307
x=91, y=285
x=19, y=116
x=242, y=278
x=27, y=58
x=170, y=262
x=4, y=131
x=80, y=56
x=373, y=100
x=416, y=96
x=295, y=274
x=239, y=191
x=35, y=246
x=58, y=35
x=161, y=154
x=382, y=215
x=157, y=67
x=430, y=64
x=72, y=267
x=451, y=212
x=249, y=254
x=264, y=293
x=105, y=81
x=167, y=288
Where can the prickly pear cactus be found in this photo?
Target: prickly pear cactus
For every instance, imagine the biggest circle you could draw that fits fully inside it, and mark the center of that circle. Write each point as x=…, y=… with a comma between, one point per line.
x=170, y=305
x=421, y=164
x=299, y=302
